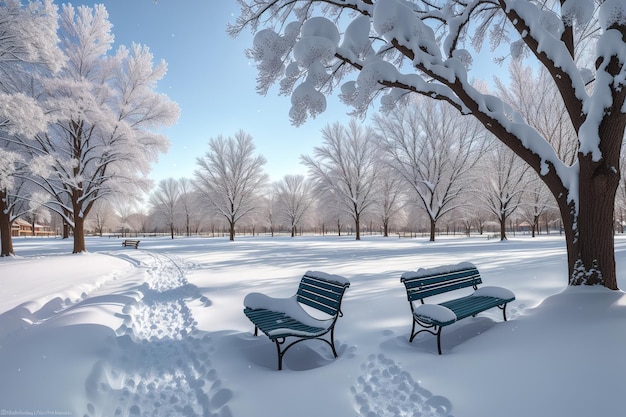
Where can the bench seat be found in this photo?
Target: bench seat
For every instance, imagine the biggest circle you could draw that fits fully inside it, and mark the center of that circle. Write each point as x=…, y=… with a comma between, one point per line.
x=282, y=318
x=429, y=282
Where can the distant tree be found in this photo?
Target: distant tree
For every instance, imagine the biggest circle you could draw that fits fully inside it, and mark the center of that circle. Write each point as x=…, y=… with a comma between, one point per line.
x=390, y=197
x=502, y=185
x=102, y=216
x=433, y=149
x=294, y=196
x=105, y=113
x=124, y=210
x=270, y=209
x=186, y=202
x=399, y=47
x=536, y=98
x=230, y=177
x=537, y=201
x=165, y=202
x=345, y=165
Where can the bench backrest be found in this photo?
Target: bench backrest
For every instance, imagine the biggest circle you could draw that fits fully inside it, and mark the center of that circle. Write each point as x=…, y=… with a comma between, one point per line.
x=420, y=286
x=321, y=294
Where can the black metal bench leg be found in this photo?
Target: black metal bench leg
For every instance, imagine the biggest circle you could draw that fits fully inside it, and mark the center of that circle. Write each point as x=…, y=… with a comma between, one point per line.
x=412, y=332
x=332, y=341
x=439, y=340
x=504, y=312
x=280, y=355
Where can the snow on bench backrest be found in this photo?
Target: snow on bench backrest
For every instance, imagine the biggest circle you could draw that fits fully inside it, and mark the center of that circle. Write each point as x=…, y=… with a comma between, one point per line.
x=322, y=291
x=426, y=282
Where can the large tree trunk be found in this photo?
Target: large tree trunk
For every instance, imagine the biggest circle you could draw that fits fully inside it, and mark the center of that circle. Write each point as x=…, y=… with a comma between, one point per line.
x=502, y=220
x=357, y=225
x=79, y=235
x=5, y=228
x=591, y=246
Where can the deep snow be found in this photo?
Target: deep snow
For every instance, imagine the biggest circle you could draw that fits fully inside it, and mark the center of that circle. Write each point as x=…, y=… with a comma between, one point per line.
x=160, y=331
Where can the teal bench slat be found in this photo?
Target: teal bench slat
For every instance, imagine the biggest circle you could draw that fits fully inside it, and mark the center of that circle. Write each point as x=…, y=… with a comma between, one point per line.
x=318, y=290
x=430, y=282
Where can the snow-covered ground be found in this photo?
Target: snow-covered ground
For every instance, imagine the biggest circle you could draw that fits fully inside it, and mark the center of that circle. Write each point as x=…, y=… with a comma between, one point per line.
x=160, y=331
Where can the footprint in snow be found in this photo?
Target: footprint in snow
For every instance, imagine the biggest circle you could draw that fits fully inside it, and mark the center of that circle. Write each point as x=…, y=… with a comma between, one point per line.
x=162, y=365
x=384, y=390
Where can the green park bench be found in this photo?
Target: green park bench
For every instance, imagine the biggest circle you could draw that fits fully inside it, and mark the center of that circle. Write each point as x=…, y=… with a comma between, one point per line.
x=309, y=314
x=434, y=281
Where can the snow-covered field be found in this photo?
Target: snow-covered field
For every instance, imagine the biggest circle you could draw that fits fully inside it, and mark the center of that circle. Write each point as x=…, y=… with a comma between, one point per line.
x=160, y=331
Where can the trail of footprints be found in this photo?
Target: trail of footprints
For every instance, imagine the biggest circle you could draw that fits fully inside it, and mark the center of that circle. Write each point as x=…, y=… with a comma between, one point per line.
x=162, y=364
x=384, y=390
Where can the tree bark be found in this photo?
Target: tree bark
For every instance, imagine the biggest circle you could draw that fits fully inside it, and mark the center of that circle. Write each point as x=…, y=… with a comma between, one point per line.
x=433, y=227
x=231, y=230
x=502, y=227
x=5, y=228
x=79, y=235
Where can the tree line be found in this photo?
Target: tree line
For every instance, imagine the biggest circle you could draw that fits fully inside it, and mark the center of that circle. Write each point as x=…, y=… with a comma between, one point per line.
x=423, y=167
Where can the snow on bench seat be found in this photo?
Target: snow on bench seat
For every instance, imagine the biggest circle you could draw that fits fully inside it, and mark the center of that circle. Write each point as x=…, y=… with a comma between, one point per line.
x=425, y=283
x=280, y=318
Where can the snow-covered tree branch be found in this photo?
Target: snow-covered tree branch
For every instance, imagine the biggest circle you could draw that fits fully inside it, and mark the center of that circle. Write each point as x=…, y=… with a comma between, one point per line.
x=387, y=49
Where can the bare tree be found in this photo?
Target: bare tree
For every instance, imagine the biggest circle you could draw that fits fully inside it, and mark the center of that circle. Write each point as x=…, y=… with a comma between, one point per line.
x=101, y=216
x=345, y=166
x=502, y=184
x=537, y=201
x=186, y=202
x=165, y=202
x=230, y=177
x=390, y=197
x=433, y=149
x=294, y=195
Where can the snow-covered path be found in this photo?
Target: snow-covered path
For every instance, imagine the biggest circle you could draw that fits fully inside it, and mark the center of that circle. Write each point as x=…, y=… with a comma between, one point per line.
x=161, y=364
x=160, y=331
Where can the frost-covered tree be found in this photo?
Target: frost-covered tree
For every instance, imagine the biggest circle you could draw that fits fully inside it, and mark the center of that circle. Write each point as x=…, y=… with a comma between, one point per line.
x=27, y=50
x=187, y=204
x=105, y=115
x=397, y=47
x=230, y=178
x=102, y=216
x=294, y=196
x=389, y=201
x=537, y=202
x=502, y=185
x=165, y=203
x=433, y=149
x=345, y=166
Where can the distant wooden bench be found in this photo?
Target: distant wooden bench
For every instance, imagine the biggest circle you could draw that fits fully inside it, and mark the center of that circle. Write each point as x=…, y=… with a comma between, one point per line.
x=130, y=242
x=309, y=314
x=429, y=282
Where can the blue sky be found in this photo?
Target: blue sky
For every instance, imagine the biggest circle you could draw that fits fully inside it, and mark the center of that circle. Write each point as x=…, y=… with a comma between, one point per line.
x=214, y=83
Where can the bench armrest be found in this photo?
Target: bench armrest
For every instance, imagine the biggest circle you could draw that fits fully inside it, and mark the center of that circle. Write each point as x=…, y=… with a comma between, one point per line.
x=434, y=314
x=288, y=306
x=495, y=292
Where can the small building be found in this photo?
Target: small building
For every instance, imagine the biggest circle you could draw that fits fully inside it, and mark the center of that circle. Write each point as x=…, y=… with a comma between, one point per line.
x=21, y=227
